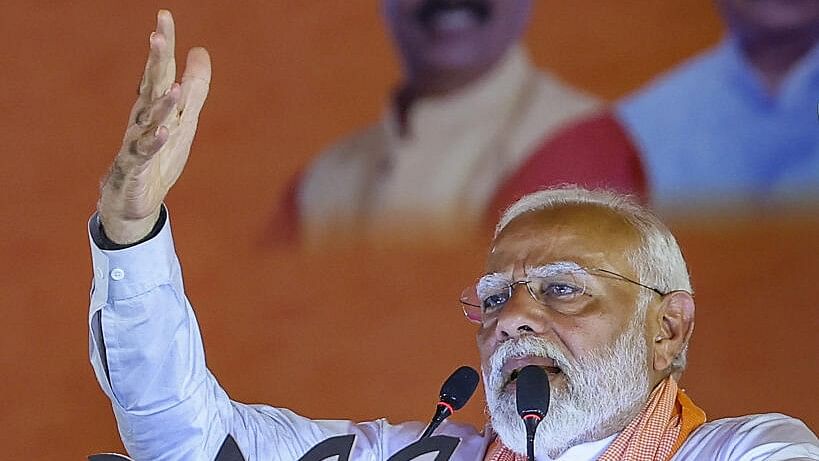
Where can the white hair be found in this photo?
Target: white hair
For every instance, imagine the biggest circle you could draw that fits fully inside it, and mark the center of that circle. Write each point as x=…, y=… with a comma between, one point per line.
x=658, y=261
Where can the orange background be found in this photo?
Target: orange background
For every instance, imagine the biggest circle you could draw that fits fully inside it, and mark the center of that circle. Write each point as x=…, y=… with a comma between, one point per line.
x=355, y=333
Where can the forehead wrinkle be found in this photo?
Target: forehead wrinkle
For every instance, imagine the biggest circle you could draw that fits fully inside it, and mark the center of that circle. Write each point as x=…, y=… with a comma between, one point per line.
x=520, y=251
x=564, y=241
x=546, y=255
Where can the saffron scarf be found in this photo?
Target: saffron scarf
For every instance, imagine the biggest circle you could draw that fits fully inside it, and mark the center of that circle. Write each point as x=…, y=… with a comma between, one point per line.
x=655, y=434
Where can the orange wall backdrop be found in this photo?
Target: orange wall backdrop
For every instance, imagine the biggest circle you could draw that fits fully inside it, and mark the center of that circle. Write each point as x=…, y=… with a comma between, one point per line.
x=328, y=335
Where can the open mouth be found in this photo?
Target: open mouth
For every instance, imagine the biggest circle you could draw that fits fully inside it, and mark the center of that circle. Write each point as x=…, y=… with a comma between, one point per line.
x=453, y=14
x=548, y=369
x=511, y=368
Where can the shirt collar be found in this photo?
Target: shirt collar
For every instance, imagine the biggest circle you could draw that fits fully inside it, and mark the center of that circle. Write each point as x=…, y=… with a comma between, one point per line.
x=587, y=450
x=494, y=93
x=803, y=75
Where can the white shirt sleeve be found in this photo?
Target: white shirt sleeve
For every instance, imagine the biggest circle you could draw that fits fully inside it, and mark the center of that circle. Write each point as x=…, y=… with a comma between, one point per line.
x=147, y=354
x=769, y=437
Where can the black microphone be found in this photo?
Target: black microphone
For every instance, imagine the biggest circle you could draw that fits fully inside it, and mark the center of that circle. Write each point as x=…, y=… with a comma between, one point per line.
x=455, y=392
x=532, y=398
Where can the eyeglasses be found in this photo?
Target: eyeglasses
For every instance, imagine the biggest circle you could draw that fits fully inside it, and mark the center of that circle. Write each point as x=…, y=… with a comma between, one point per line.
x=561, y=287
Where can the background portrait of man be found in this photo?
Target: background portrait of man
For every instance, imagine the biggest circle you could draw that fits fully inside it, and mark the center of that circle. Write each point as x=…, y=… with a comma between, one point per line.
x=469, y=111
x=733, y=126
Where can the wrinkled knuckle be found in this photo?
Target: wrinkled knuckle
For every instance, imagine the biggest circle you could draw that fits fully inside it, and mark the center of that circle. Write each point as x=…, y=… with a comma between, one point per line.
x=134, y=148
x=141, y=147
x=143, y=117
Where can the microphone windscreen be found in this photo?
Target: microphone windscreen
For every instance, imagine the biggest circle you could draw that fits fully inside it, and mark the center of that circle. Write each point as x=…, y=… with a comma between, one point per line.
x=532, y=391
x=459, y=387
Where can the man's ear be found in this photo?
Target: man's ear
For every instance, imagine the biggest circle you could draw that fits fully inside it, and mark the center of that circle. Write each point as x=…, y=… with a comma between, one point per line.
x=675, y=317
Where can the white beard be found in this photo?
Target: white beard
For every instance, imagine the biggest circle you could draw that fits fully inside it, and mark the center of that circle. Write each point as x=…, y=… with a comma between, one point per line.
x=602, y=393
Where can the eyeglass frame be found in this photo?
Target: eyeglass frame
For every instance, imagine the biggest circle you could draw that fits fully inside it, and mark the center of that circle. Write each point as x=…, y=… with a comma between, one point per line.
x=589, y=271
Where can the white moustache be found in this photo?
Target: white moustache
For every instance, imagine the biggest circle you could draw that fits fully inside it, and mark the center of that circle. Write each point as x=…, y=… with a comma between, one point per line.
x=525, y=346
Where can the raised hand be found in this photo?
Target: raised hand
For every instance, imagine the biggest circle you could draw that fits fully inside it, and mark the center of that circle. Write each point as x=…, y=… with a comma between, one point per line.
x=158, y=138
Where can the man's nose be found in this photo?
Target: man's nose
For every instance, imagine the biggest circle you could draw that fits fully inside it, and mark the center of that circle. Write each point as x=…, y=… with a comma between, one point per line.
x=521, y=315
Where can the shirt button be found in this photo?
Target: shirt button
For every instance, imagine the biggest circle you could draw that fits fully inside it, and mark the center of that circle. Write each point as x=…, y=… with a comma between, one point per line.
x=117, y=274
x=100, y=274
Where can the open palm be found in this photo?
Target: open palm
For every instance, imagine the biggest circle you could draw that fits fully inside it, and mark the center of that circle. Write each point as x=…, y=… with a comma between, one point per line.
x=158, y=139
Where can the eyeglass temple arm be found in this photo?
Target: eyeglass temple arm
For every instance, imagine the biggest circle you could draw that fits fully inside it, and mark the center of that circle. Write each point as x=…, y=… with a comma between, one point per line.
x=623, y=277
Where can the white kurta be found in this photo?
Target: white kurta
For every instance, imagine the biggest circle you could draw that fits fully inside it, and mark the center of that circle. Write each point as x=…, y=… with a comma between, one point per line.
x=443, y=170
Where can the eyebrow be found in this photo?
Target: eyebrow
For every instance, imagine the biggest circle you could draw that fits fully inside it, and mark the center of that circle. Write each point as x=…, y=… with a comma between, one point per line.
x=545, y=270
x=558, y=267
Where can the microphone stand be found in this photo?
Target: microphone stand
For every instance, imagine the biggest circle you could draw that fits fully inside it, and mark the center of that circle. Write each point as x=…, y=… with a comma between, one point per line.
x=531, y=422
x=442, y=412
x=455, y=392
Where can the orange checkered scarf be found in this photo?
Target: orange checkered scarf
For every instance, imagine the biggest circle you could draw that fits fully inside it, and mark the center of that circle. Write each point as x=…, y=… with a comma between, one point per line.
x=655, y=434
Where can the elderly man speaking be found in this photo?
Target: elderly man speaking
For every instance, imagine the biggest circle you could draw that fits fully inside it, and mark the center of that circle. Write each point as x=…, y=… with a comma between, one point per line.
x=585, y=285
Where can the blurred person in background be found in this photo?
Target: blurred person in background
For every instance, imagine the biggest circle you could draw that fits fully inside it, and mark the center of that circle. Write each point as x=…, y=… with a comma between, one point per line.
x=736, y=125
x=470, y=109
